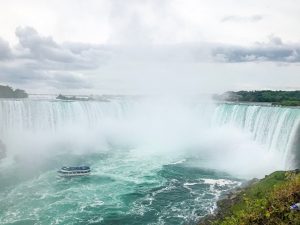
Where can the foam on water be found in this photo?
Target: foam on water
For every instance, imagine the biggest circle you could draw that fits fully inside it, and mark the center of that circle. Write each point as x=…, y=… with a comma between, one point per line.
x=159, y=196
x=153, y=162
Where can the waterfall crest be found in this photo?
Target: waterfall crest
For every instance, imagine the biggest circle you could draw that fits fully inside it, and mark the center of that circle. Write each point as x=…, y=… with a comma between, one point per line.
x=275, y=128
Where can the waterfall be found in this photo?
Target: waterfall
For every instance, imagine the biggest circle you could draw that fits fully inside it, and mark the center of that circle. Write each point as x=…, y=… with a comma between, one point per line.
x=37, y=115
x=275, y=128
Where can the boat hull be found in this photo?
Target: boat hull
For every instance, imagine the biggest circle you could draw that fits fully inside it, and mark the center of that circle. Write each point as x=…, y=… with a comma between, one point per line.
x=74, y=171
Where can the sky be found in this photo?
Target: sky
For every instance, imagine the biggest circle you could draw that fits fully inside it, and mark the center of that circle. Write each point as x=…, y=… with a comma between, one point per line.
x=149, y=46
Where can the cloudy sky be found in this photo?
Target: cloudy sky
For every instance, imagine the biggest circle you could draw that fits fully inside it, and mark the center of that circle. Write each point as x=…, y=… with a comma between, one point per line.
x=149, y=46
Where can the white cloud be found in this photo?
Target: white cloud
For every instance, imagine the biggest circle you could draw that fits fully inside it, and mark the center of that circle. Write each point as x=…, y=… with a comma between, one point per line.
x=120, y=46
x=5, y=52
x=40, y=59
x=239, y=19
x=274, y=51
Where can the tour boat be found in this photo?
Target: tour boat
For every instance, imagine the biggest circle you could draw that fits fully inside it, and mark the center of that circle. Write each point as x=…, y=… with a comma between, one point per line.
x=73, y=171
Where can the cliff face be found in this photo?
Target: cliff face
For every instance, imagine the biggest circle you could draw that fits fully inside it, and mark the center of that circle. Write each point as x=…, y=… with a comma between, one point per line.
x=266, y=201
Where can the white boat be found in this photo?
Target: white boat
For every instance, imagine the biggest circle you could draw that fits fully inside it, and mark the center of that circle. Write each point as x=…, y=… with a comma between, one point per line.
x=73, y=171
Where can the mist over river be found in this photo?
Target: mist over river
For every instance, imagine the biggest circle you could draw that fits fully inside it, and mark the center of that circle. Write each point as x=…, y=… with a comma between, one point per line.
x=153, y=161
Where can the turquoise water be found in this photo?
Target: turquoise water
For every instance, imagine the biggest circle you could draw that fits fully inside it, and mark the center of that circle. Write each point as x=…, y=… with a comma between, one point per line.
x=153, y=162
x=122, y=189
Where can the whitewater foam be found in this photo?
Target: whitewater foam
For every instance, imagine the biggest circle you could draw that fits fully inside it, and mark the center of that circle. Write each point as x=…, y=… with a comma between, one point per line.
x=141, y=152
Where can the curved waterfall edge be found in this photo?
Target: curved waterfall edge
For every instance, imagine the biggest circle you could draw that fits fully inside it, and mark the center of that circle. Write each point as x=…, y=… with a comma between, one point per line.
x=275, y=128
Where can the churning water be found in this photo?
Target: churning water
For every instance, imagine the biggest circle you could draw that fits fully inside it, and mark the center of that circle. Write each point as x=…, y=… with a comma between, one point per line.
x=153, y=161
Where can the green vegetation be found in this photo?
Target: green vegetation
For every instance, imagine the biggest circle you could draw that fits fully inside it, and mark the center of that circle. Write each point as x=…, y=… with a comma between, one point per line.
x=285, y=98
x=8, y=92
x=290, y=103
x=265, y=202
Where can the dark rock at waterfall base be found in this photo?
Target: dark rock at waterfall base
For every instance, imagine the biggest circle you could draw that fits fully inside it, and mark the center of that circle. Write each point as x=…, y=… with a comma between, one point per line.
x=2, y=150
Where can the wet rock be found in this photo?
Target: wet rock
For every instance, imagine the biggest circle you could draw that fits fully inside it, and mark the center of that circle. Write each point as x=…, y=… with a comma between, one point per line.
x=2, y=150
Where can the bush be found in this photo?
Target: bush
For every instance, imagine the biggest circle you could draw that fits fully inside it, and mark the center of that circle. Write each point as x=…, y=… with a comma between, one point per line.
x=267, y=202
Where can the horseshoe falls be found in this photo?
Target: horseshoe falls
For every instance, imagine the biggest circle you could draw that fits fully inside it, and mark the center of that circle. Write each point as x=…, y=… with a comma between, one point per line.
x=274, y=127
x=153, y=161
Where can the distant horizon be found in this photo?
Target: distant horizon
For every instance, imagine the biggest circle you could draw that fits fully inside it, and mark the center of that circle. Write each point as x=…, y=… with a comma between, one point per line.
x=65, y=92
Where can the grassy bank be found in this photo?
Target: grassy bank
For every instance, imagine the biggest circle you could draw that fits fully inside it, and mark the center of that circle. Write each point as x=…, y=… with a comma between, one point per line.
x=266, y=202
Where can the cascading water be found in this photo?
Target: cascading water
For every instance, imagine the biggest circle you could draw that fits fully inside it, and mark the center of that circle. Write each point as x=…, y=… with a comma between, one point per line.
x=273, y=127
x=52, y=115
x=153, y=162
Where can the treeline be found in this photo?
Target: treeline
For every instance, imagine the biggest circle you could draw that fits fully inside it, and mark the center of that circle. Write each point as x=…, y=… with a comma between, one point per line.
x=8, y=92
x=285, y=98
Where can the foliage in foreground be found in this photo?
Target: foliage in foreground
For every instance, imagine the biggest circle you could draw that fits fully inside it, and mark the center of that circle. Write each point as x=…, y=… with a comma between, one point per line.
x=266, y=202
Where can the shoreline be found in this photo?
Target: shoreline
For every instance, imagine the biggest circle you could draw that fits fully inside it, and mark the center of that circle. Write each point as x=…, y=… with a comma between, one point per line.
x=253, y=202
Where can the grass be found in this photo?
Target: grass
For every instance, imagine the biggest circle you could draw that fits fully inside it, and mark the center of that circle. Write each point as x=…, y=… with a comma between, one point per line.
x=266, y=202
